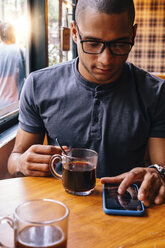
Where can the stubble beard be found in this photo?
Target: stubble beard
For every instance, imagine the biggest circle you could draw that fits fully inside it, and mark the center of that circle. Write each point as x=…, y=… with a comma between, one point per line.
x=99, y=80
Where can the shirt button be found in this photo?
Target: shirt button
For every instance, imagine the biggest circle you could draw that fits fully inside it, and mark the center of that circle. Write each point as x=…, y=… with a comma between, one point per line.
x=96, y=119
x=97, y=102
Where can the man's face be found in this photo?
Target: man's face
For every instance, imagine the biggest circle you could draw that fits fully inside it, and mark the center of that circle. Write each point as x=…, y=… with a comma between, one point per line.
x=105, y=67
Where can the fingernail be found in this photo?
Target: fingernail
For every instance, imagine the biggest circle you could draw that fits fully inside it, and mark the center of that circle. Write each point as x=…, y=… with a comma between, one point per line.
x=120, y=191
x=158, y=201
x=141, y=196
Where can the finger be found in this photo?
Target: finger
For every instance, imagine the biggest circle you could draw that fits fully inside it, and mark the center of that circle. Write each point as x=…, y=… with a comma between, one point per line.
x=160, y=198
x=43, y=149
x=37, y=167
x=38, y=158
x=148, y=189
x=114, y=180
x=131, y=177
x=37, y=174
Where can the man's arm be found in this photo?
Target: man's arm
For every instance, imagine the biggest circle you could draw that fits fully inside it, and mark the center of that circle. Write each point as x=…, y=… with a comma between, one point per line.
x=156, y=148
x=29, y=156
x=153, y=185
x=152, y=189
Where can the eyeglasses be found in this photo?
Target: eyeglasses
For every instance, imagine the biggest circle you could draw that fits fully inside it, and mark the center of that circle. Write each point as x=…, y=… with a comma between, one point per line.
x=96, y=46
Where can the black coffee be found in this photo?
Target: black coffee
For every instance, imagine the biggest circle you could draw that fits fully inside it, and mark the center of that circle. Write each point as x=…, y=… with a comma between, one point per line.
x=41, y=236
x=79, y=176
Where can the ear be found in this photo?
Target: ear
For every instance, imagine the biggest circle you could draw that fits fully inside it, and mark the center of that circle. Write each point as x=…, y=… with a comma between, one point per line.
x=74, y=31
x=135, y=30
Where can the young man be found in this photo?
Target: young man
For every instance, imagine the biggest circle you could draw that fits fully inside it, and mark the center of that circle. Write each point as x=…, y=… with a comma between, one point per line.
x=97, y=101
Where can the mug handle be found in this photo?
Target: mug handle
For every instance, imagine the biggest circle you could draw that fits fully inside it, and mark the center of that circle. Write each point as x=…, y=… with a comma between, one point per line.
x=52, y=165
x=8, y=220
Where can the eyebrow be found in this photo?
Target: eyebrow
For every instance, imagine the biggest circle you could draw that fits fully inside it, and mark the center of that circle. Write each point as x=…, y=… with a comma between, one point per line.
x=97, y=39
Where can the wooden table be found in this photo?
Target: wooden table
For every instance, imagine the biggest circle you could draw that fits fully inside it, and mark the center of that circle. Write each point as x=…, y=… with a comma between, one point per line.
x=89, y=226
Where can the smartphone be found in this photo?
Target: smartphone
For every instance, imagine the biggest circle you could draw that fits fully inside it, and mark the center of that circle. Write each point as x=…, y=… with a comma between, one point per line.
x=125, y=204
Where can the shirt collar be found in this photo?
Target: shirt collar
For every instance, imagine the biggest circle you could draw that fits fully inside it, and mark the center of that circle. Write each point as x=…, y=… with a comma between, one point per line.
x=94, y=86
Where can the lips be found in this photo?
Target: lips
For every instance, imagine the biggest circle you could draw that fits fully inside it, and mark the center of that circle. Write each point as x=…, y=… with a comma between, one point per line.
x=103, y=70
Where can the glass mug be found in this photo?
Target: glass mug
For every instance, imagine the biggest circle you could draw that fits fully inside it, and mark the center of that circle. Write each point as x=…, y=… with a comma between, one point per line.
x=39, y=223
x=78, y=170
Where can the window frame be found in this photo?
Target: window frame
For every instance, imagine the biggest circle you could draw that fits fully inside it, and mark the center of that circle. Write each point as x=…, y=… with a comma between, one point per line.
x=37, y=55
x=37, y=50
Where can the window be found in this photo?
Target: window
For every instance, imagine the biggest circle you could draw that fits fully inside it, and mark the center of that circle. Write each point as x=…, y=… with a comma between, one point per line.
x=31, y=48
x=13, y=57
x=60, y=46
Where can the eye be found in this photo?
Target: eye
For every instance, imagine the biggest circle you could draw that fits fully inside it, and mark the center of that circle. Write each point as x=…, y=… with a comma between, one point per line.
x=93, y=44
x=120, y=45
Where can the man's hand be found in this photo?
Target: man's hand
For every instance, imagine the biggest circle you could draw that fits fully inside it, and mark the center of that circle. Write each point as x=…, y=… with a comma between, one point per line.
x=35, y=161
x=152, y=189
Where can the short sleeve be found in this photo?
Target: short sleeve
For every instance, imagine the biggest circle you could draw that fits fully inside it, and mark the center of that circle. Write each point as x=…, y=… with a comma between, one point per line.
x=29, y=117
x=158, y=114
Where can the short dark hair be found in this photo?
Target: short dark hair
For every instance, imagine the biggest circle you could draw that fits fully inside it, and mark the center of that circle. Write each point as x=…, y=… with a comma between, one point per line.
x=107, y=6
x=7, y=32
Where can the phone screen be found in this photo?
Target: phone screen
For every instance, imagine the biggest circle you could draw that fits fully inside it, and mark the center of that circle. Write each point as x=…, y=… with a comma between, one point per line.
x=126, y=201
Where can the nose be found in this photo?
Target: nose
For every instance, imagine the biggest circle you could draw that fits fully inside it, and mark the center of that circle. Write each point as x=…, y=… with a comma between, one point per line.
x=106, y=56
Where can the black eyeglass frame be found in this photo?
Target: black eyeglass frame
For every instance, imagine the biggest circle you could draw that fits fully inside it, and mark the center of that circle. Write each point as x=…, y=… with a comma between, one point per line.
x=106, y=43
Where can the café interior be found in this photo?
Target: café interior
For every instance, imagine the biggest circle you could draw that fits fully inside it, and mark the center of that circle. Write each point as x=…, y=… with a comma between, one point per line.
x=42, y=30
x=148, y=53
